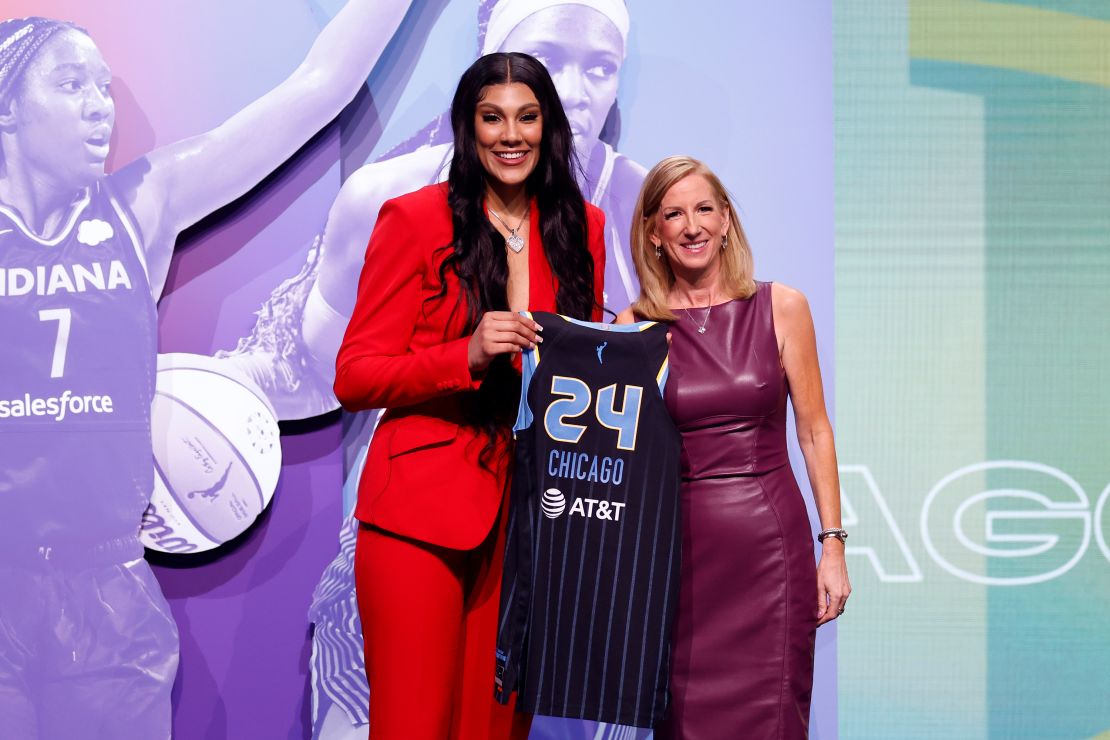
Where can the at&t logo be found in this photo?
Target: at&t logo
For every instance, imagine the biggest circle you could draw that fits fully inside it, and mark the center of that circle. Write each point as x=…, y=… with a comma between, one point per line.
x=554, y=503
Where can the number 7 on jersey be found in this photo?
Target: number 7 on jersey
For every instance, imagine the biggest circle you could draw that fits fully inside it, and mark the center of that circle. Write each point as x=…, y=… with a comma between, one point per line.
x=64, y=319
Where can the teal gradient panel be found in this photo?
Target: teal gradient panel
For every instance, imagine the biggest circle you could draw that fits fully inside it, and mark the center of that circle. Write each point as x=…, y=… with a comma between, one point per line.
x=909, y=316
x=1047, y=189
x=973, y=310
x=1085, y=8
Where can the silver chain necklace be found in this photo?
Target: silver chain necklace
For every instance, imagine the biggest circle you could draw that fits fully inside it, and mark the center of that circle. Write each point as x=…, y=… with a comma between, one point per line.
x=514, y=241
x=701, y=326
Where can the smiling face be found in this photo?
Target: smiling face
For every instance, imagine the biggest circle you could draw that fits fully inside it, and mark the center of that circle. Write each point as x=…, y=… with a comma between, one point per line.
x=508, y=128
x=688, y=226
x=583, y=51
x=61, y=115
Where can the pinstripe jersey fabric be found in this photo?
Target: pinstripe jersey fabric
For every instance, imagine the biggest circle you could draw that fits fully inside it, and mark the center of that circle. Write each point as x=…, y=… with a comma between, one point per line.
x=592, y=555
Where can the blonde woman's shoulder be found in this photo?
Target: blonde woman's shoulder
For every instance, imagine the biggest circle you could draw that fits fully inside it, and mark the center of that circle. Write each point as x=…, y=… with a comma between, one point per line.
x=790, y=313
x=790, y=301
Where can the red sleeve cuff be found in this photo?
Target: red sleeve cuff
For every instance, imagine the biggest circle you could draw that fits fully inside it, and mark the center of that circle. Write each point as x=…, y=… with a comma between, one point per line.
x=457, y=351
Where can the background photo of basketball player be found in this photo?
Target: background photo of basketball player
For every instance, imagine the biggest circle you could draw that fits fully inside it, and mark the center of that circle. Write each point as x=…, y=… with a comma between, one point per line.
x=82, y=614
x=291, y=351
x=583, y=44
x=232, y=609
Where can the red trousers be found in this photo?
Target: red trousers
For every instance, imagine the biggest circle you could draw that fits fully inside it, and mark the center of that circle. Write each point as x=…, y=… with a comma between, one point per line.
x=429, y=622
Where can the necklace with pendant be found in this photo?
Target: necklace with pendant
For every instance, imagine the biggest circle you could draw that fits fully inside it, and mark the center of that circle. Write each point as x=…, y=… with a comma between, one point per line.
x=514, y=241
x=701, y=326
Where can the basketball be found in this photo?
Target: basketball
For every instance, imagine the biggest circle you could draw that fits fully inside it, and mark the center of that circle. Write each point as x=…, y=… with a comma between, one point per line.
x=217, y=455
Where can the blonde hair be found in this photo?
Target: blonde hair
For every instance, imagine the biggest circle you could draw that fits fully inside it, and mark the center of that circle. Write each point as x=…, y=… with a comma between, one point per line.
x=655, y=274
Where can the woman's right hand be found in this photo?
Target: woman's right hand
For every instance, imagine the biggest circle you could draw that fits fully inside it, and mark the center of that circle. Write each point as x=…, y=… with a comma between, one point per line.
x=498, y=333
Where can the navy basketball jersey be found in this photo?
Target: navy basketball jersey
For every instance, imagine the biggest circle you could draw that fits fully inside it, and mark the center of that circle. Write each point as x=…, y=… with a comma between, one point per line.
x=77, y=323
x=592, y=553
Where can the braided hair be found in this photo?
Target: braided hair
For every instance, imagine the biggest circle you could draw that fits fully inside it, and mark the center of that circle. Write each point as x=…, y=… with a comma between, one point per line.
x=20, y=42
x=21, y=39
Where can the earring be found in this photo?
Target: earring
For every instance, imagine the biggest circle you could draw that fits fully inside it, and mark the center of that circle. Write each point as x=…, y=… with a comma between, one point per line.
x=659, y=252
x=724, y=240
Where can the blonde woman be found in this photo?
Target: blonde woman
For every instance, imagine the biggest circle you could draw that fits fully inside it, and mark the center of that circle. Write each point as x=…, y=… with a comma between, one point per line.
x=742, y=661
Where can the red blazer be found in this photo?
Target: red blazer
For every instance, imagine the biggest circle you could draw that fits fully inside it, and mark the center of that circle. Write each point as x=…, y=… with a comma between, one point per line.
x=422, y=478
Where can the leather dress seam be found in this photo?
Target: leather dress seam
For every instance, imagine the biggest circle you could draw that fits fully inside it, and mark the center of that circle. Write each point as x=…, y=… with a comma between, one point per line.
x=785, y=606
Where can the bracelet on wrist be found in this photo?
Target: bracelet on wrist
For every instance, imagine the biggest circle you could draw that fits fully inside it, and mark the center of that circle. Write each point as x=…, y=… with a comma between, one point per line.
x=836, y=532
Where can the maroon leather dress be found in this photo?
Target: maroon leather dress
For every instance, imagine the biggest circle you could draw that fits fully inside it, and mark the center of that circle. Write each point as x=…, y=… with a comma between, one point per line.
x=742, y=657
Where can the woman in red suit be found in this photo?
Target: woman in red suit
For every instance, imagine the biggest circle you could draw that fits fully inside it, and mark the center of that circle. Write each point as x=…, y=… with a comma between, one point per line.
x=433, y=340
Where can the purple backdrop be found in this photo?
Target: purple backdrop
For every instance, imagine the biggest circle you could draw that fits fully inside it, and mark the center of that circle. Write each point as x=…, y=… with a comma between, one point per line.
x=242, y=609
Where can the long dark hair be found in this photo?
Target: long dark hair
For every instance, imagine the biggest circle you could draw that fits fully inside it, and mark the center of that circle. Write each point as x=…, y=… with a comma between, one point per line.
x=477, y=251
x=478, y=254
